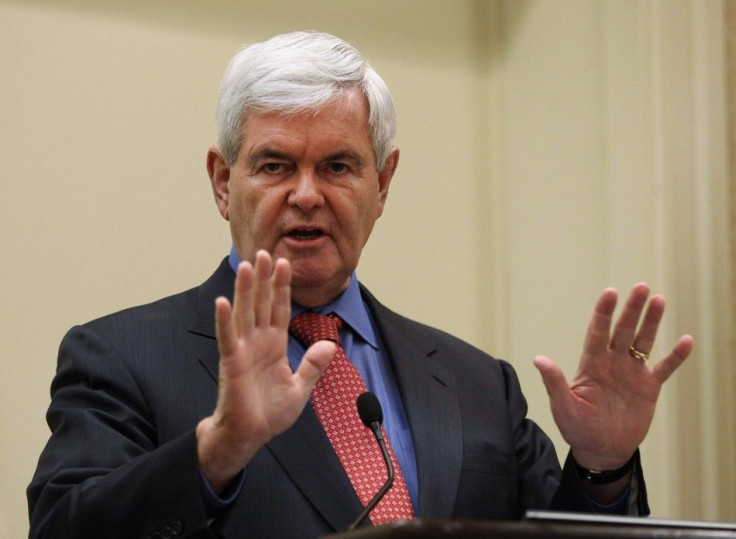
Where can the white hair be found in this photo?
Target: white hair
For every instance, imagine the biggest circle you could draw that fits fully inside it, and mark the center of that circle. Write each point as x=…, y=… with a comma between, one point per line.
x=300, y=71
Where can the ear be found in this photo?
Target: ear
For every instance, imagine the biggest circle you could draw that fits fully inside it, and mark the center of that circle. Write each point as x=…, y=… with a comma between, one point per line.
x=219, y=173
x=384, y=178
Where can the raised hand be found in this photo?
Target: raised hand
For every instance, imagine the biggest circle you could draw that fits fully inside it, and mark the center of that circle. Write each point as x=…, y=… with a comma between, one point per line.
x=606, y=410
x=259, y=396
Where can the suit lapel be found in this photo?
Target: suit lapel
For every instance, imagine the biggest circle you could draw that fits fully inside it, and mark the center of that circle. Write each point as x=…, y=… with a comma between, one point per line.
x=306, y=454
x=429, y=395
x=304, y=451
x=221, y=283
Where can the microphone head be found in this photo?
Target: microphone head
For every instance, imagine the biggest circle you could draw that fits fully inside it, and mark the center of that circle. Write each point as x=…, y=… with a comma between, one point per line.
x=369, y=409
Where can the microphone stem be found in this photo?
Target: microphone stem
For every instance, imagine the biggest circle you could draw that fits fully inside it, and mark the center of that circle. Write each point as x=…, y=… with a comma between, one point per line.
x=376, y=428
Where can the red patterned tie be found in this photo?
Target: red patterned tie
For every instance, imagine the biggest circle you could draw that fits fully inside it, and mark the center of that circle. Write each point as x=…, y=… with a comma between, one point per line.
x=333, y=399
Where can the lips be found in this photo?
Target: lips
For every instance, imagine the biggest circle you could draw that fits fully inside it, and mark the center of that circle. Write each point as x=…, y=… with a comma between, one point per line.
x=305, y=233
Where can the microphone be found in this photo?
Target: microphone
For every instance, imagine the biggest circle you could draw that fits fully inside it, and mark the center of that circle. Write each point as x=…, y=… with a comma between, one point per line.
x=371, y=414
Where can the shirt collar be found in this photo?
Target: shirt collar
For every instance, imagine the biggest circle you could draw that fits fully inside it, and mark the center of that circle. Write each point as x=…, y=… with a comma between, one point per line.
x=233, y=259
x=349, y=306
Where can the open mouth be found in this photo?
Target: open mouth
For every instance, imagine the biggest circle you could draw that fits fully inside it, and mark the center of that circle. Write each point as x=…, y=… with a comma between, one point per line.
x=306, y=234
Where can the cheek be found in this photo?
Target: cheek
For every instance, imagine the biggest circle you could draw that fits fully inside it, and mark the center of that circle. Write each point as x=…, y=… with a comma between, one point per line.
x=364, y=219
x=245, y=202
x=259, y=213
x=243, y=210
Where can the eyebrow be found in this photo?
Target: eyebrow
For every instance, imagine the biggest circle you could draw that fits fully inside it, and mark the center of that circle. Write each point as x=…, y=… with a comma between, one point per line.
x=266, y=153
x=346, y=156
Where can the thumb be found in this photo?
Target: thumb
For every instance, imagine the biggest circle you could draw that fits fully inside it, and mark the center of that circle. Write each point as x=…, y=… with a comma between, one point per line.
x=553, y=379
x=315, y=362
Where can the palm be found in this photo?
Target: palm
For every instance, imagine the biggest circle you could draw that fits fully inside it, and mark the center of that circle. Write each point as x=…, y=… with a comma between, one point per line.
x=259, y=396
x=606, y=410
x=256, y=381
x=259, y=393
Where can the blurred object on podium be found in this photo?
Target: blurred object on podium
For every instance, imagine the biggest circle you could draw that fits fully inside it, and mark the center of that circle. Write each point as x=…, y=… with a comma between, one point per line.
x=547, y=524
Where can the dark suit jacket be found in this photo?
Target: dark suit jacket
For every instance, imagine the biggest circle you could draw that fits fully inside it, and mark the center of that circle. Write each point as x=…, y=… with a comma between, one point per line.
x=131, y=387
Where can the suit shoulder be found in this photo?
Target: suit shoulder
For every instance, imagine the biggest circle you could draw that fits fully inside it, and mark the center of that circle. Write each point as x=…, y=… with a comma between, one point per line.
x=188, y=306
x=161, y=309
x=426, y=336
x=431, y=334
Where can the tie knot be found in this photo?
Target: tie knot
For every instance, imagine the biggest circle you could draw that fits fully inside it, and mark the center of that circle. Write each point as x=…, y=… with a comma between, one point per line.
x=309, y=327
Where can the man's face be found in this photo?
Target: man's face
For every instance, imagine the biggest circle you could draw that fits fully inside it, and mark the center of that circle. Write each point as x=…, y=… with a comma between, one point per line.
x=305, y=188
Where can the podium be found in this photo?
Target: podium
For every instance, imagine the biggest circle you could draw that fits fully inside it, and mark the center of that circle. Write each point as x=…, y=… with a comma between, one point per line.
x=548, y=525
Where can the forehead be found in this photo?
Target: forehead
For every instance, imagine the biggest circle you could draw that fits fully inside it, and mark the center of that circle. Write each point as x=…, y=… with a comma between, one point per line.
x=342, y=122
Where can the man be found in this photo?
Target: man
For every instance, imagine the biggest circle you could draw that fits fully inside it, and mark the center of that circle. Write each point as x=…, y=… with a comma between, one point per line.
x=302, y=171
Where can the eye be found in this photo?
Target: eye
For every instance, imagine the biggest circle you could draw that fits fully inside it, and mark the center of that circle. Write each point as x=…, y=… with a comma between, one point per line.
x=337, y=168
x=273, y=168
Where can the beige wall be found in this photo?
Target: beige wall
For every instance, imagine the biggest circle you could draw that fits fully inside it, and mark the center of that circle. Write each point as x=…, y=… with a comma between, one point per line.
x=614, y=167
x=537, y=147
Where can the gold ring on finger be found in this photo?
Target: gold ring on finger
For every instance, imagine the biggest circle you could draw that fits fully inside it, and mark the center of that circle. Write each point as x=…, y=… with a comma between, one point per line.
x=637, y=354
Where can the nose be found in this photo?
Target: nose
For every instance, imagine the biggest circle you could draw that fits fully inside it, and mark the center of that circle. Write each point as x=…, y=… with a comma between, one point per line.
x=306, y=193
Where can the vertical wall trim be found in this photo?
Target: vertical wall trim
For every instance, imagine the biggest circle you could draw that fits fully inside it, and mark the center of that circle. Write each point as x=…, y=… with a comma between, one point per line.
x=706, y=57
x=653, y=14
x=690, y=175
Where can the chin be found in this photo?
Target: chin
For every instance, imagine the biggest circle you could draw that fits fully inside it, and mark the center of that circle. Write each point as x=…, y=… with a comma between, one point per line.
x=321, y=285
x=311, y=279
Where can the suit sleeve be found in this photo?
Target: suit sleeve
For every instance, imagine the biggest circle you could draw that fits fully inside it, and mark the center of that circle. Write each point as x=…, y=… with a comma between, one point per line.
x=103, y=473
x=571, y=496
x=542, y=485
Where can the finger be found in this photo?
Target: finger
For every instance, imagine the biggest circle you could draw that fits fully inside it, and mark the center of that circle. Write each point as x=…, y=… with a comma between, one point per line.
x=664, y=369
x=600, y=324
x=644, y=340
x=242, y=308
x=553, y=379
x=263, y=293
x=314, y=363
x=281, y=294
x=623, y=333
x=226, y=339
